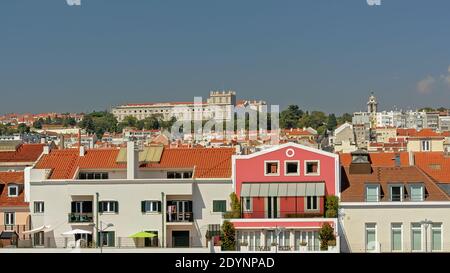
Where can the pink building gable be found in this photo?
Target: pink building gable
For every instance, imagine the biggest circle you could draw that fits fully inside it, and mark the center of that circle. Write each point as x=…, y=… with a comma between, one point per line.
x=251, y=168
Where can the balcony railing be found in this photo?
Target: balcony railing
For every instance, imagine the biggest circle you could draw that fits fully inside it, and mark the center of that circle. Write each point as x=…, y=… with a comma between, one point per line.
x=180, y=217
x=279, y=214
x=75, y=217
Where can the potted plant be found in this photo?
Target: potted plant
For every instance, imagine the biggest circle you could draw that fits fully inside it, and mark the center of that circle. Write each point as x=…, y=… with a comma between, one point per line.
x=273, y=246
x=303, y=246
x=218, y=247
x=331, y=245
x=244, y=246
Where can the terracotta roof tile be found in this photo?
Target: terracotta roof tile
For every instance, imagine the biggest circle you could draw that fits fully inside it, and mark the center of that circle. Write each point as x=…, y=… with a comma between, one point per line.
x=208, y=162
x=353, y=185
x=8, y=178
x=378, y=159
x=435, y=164
x=24, y=153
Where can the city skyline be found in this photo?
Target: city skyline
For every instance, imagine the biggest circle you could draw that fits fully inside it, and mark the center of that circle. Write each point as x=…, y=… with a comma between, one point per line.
x=322, y=56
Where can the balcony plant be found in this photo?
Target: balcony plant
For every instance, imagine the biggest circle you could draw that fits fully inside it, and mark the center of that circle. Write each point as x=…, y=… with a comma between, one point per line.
x=303, y=246
x=228, y=236
x=331, y=245
x=332, y=206
x=326, y=234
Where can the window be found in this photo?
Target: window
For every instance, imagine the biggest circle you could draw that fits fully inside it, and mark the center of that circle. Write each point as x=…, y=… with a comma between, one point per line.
x=312, y=168
x=371, y=237
x=151, y=206
x=396, y=235
x=93, y=176
x=396, y=193
x=179, y=175
x=38, y=207
x=247, y=204
x=372, y=193
x=219, y=206
x=108, y=206
x=13, y=190
x=106, y=238
x=10, y=218
x=38, y=238
x=416, y=236
x=272, y=168
x=291, y=168
x=425, y=145
x=81, y=206
x=436, y=237
x=416, y=192
x=312, y=203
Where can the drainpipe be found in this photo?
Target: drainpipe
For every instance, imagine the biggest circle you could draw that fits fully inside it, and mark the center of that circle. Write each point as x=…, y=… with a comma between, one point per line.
x=163, y=216
x=96, y=218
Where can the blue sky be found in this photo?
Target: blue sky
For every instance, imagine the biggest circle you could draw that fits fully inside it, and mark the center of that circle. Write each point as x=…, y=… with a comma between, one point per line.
x=319, y=54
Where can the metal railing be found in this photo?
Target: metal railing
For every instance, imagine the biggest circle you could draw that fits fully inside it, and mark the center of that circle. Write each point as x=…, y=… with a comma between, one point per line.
x=180, y=217
x=282, y=214
x=75, y=217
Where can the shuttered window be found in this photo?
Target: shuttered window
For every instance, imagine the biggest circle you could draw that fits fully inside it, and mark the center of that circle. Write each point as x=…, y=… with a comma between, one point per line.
x=219, y=206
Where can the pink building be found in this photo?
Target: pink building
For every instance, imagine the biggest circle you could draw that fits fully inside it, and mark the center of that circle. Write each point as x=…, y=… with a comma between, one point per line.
x=283, y=192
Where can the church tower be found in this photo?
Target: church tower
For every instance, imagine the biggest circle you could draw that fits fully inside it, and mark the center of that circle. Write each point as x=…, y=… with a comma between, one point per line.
x=372, y=106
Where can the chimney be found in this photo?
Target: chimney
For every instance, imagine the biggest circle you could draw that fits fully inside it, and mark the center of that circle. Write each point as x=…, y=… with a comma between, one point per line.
x=43, y=140
x=132, y=160
x=46, y=150
x=61, y=142
x=411, y=158
x=82, y=150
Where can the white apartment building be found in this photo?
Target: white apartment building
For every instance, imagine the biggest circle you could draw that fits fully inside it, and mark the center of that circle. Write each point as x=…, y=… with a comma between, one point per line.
x=106, y=196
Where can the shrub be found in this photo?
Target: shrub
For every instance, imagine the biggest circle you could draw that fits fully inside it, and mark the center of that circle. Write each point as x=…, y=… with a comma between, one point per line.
x=332, y=206
x=228, y=236
x=326, y=234
x=331, y=213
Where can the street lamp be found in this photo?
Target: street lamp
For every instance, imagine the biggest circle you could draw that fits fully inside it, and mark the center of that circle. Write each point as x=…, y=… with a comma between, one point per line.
x=100, y=232
x=426, y=223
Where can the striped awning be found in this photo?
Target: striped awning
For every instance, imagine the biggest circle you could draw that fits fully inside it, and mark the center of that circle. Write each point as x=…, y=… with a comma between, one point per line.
x=283, y=189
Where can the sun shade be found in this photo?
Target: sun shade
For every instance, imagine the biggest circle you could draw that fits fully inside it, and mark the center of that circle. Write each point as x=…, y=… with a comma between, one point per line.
x=143, y=234
x=283, y=189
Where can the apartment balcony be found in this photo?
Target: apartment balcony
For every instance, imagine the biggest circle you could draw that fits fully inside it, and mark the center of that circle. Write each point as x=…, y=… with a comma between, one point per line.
x=180, y=217
x=277, y=214
x=75, y=217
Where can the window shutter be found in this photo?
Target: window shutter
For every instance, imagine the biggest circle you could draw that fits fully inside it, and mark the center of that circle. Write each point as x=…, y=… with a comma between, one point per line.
x=111, y=238
x=74, y=207
x=100, y=207
x=159, y=206
x=273, y=168
x=142, y=206
x=116, y=209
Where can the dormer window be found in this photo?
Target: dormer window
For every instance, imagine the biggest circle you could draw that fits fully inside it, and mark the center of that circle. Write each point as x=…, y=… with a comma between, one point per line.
x=396, y=193
x=13, y=190
x=416, y=193
x=272, y=168
x=372, y=193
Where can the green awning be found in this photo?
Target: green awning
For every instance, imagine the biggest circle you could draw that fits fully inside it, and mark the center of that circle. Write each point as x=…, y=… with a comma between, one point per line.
x=143, y=234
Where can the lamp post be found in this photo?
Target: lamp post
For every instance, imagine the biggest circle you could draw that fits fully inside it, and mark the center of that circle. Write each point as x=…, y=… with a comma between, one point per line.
x=426, y=223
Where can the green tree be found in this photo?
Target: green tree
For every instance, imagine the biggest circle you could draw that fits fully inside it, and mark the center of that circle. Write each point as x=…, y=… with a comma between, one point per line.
x=331, y=122
x=346, y=117
x=23, y=128
x=235, y=205
x=326, y=234
x=38, y=123
x=289, y=118
x=228, y=237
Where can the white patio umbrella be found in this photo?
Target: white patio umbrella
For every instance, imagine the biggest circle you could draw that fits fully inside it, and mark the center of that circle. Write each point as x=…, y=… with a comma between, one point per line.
x=42, y=228
x=77, y=231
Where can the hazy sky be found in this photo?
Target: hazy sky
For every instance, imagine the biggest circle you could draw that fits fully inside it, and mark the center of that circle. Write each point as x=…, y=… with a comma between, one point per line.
x=319, y=54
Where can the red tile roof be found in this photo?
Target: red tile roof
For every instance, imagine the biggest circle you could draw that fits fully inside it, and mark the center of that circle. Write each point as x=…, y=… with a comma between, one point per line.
x=353, y=185
x=11, y=178
x=24, y=153
x=435, y=164
x=378, y=159
x=208, y=162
